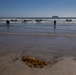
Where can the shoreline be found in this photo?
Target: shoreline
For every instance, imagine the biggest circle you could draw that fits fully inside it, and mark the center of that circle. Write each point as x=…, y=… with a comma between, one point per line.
x=59, y=50
x=38, y=34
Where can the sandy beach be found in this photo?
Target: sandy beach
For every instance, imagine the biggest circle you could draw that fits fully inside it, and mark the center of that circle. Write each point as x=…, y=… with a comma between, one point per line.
x=10, y=66
x=59, y=50
x=37, y=37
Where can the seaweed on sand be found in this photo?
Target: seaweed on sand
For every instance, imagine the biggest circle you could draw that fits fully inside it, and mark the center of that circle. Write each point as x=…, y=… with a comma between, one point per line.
x=34, y=62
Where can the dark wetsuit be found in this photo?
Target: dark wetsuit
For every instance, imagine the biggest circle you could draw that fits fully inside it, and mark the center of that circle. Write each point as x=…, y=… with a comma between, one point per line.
x=54, y=24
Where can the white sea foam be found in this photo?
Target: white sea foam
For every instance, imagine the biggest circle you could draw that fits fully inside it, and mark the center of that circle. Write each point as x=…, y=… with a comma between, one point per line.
x=33, y=21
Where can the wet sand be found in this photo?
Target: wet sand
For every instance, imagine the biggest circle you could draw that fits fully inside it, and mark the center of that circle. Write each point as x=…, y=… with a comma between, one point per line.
x=57, y=49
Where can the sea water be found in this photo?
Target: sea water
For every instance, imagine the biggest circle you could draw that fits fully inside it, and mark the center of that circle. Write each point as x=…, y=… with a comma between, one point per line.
x=13, y=38
x=46, y=26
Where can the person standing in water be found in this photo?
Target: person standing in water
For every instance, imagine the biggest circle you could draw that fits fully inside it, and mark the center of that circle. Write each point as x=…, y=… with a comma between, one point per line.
x=7, y=22
x=54, y=24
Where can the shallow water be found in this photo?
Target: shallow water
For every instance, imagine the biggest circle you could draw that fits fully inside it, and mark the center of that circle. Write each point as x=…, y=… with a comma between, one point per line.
x=69, y=28
x=39, y=44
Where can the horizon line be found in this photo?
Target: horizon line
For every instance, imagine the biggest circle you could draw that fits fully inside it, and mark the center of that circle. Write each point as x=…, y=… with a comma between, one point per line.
x=53, y=17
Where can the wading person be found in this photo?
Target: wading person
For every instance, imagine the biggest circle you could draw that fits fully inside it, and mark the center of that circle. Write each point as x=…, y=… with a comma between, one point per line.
x=7, y=22
x=54, y=24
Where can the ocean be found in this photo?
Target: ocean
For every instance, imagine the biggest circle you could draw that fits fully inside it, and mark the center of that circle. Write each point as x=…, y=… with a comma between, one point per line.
x=38, y=38
x=45, y=26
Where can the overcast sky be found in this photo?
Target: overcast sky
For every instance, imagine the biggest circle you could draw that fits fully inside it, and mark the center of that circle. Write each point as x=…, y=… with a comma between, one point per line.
x=37, y=8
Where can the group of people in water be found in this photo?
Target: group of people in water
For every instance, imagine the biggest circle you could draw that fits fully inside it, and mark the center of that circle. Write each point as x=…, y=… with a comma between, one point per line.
x=8, y=22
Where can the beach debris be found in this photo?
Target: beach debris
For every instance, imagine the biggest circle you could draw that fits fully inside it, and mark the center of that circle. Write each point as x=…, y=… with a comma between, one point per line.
x=34, y=62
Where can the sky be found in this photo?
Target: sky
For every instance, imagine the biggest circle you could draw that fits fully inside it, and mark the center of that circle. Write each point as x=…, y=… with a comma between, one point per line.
x=37, y=8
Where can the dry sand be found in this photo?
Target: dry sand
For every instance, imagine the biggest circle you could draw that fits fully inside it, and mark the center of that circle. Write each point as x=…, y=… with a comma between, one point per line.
x=12, y=65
